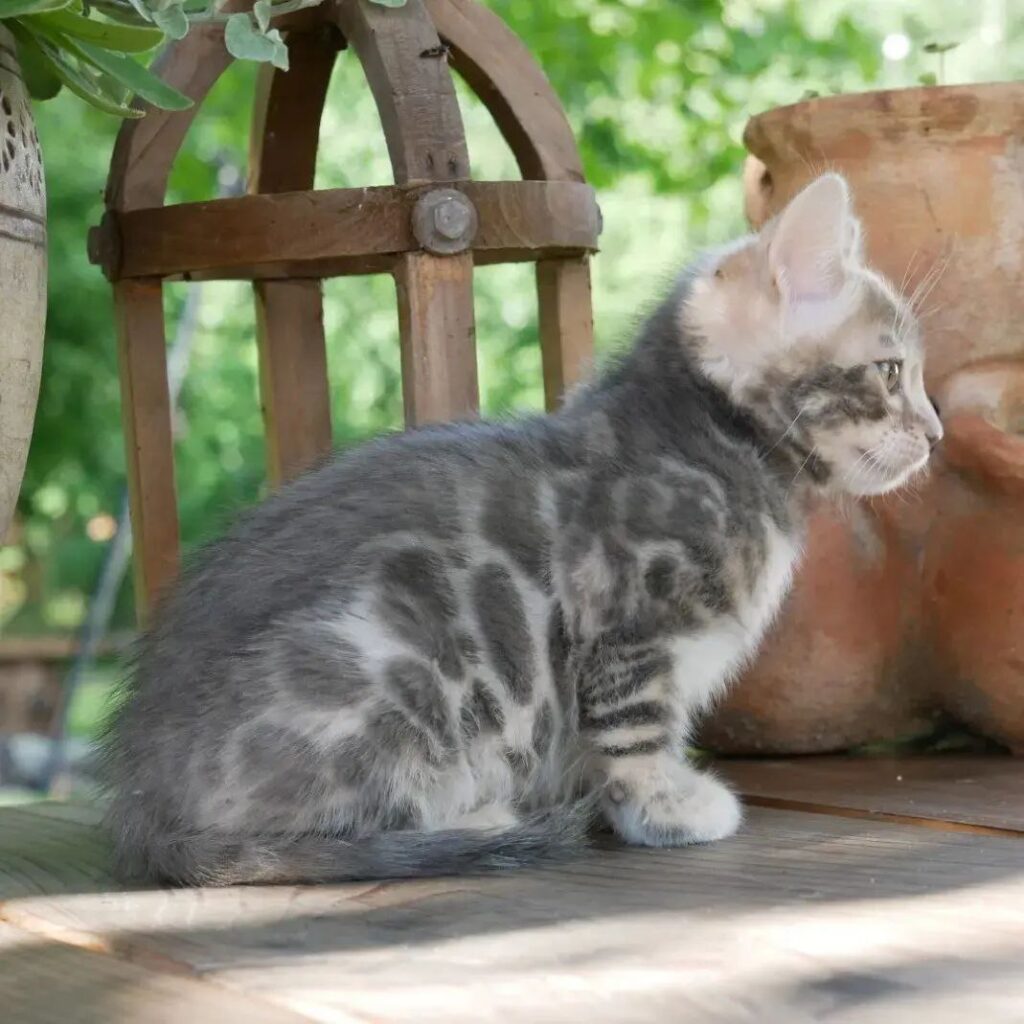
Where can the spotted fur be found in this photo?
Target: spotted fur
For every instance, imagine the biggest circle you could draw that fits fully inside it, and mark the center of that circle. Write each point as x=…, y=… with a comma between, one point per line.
x=441, y=651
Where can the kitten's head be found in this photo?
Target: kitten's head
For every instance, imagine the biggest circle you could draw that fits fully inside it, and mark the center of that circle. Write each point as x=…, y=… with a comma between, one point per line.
x=816, y=345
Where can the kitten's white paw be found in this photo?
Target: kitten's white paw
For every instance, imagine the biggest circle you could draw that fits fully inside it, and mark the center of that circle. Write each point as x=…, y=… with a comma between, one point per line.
x=700, y=809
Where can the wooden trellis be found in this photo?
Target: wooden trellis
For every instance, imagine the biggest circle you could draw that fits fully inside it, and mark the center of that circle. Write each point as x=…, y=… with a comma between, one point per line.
x=428, y=230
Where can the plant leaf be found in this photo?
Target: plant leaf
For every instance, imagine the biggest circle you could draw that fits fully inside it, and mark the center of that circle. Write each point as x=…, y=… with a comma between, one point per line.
x=928, y=78
x=262, y=13
x=173, y=21
x=245, y=41
x=122, y=12
x=388, y=3
x=111, y=36
x=142, y=10
x=19, y=8
x=132, y=76
x=78, y=80
x=40, y=79
x=279, y=58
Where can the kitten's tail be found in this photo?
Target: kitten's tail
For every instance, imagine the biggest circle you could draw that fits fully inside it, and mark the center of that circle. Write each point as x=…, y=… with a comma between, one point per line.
x=218, y=859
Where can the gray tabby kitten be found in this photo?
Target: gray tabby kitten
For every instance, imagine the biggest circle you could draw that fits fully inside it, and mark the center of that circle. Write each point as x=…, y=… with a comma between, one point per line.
x=418, y=658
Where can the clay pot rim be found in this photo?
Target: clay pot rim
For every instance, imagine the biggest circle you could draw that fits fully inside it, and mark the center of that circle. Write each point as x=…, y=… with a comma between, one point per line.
x=938, y=111
x=983, y=451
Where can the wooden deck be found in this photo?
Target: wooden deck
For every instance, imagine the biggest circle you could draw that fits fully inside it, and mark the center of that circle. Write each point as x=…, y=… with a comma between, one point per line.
x=875, y=891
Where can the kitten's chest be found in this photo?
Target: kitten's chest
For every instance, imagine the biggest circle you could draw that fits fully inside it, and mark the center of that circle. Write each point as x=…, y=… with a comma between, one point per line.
x=707, y=659
x=759, y=602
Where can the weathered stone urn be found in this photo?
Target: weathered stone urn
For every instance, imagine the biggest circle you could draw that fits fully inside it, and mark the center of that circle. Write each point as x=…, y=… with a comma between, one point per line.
x=938, y=180
x=22, y=275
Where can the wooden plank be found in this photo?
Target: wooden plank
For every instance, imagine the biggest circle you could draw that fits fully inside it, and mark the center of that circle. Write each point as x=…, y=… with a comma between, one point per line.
x=566, y=325
x=502, y=72
x=56, y=647
x=45, y=854
x=337, y=230
x=799, y=918
x=293, y=376
x=287, y=111
x=294, y=390
x=149, y=446
x=46, y=982
x=438, y=337
x=972, y=791
x=403, y=60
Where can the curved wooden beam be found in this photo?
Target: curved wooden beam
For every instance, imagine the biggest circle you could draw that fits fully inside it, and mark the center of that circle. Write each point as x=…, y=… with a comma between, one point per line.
x=400, y=53
x=145, y=149
x=499, y=68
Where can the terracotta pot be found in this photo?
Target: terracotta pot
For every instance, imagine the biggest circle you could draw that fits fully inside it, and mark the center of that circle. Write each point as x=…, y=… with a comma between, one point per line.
x=833, y=674
x=22, y=276
x=938, y=181
x=974, y=563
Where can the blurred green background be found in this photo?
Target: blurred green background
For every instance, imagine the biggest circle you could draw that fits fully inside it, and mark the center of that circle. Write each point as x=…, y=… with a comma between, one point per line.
x=657, y=92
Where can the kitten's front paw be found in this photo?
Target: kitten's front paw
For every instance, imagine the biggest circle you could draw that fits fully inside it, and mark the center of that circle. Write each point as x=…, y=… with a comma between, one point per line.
x=700, y=809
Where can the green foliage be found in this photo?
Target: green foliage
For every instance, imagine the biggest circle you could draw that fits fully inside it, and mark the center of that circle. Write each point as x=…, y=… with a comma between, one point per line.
x=81, y=46
x=63, y=44
x=248, y=38
x=657, y=92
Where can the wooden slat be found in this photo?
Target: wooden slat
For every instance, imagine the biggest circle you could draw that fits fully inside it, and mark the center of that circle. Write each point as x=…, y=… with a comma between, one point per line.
x=985, y=792
x=401, y=55
x=439, y=373
x=286, y=114
x=46, y=982
x=139, y=170
x=289, y=314
x=566, y=325
x=502, y=72
x=55, y=647
x=293, y=376
x=52, y=850
x=414, y=93
x=149, y=447
x=799, y=918
x=336, y=231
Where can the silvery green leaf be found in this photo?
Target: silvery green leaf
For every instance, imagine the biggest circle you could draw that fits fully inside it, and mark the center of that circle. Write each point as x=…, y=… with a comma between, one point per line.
x=244, y=40
x=261, y=12
x=280, y=56
x=389, y=3
x=173, y=21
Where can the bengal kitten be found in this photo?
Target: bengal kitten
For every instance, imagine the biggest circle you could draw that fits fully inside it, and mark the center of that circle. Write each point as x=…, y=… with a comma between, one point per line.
x=439, y=652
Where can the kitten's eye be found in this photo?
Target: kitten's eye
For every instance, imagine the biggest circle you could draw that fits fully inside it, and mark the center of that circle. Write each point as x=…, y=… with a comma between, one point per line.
x=890, y=370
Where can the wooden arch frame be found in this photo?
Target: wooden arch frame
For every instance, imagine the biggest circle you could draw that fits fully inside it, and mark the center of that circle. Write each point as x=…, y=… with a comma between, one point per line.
x=286, y=238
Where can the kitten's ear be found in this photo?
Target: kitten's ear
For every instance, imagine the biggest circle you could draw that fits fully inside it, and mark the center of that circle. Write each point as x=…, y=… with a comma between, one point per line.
x=813, y=240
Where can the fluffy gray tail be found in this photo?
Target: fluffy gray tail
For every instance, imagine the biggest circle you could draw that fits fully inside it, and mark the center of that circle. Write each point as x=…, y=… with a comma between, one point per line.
x=212, y=859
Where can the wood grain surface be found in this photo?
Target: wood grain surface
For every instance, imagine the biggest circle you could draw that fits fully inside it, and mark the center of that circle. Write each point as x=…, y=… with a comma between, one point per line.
x=801, y=917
